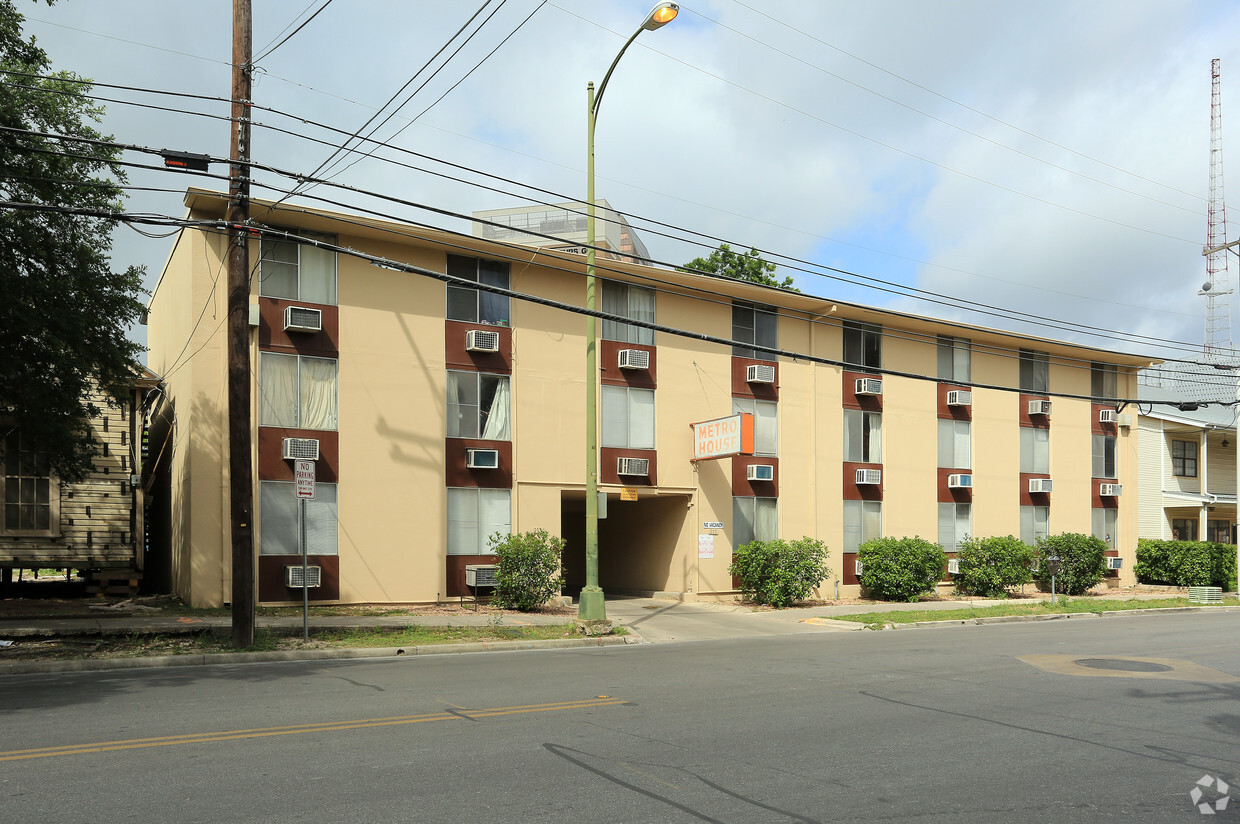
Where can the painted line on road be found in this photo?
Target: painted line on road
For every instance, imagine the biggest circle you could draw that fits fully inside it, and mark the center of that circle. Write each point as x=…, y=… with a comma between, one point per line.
x=264, y=732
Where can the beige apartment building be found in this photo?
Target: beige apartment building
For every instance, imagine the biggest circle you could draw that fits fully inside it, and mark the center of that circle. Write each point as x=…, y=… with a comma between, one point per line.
x=441, y=414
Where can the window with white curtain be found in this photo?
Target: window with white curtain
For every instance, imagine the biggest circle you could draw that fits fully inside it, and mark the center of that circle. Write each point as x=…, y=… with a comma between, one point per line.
x=863, y=344
x=298, y=270
x=1035, y=450
x=475, y=305
x=754, y=519
x=632, y=302
x=1103, y=381
x=954, y=357
x=1034, y=523
x=474, y=516
x=296, y=391
x=863, y=436
x=765, y=423
x=1105, y=522
x=754, y=324
x=955, y=524
x=1104, y=456
x=287, y=523
x=955, y=444
x=628, y=417
x=863, y=521
x=478, y=406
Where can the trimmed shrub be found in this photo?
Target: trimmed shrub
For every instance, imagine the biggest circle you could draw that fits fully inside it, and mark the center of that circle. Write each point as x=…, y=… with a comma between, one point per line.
x=1081, y=562
x=780, y=572
x=900, y=569
x=527, y=569
x=989, y=567
x=1186, y=563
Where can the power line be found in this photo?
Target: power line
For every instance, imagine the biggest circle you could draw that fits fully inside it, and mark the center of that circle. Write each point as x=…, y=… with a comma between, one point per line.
x=319, y=11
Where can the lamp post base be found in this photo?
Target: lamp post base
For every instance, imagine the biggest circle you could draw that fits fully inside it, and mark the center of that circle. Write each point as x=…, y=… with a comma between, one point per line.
x=590, y=606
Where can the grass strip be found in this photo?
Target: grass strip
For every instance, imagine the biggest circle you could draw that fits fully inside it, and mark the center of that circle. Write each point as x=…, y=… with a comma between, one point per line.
x=1062, y=606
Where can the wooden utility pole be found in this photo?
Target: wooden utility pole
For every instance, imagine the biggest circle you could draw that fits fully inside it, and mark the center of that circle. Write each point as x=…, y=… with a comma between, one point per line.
x=241, y=475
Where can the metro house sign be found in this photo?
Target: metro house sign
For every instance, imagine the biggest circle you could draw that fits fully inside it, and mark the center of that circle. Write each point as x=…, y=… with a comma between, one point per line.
x=723, y=437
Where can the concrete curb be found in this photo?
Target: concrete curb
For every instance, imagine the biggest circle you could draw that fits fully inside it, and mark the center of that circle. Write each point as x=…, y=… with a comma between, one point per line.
x=344, y=653
x=1020, y=619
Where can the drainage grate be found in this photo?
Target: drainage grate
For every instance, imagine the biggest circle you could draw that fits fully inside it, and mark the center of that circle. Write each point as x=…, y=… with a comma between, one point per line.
x=1122, y=664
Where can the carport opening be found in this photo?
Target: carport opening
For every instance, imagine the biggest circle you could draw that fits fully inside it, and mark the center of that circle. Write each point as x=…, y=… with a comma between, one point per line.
x=636, y=543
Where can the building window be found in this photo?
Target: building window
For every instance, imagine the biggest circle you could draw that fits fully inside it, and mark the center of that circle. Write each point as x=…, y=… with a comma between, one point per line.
x=1104, y=456
x=863, y=436
x=755, y=325
x=954, y=359
x=288, y=523
x=955, y=444
x=1103, y=381
x=955, y=524
x=478, y=406
x=863, y=344
x=754, y=519
x=1034, y=523
x=1034, y=371
x=1105, y=522
x=632, y=302
x=297, y=392
x=628, y=417
x=1184, y=459
x=863, y=521
x=765, y=424
x=474, y=516
x=298, y=271
x=1183, y=529
x=475, y=305
x=1035, y=450
x=31, y=495
x=1219, y=532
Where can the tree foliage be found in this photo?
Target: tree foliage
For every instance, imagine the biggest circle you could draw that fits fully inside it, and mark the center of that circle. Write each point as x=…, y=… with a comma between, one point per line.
x=527, y=569
x=990, y=567
x=900, y=569
x=739, y=265
x=780, y=572
x=64, y=312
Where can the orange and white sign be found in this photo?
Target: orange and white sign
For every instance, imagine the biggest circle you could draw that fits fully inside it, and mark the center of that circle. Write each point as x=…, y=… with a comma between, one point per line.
x=722, y=437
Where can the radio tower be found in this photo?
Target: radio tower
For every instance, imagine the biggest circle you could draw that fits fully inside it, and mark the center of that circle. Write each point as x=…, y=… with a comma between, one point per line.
x=1216, y=289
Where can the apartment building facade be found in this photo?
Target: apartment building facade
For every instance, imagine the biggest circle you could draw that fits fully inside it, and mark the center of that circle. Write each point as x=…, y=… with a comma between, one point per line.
x=442, y=414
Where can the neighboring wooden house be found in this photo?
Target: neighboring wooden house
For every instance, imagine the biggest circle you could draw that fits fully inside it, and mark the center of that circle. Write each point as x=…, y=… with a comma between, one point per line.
x=95, y=525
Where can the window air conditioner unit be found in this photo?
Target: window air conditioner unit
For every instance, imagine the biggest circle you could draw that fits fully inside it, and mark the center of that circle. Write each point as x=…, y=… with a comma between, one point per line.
x=1115, y=563
x=1039, y=484
x=959, y=397
x=301, y=448
x=759, y=373
x=953, y=566
x=292, y=577
x=868, y=386
x=857, y=567
x=1039, y=407
x=633, y=466
x=481, y=340
x=1107, y=416
x=1110, y=490
x=302, y=319
x=869, y=476
x=634, y=359
x=960, y=481
x=760, y=472
x=480, y=575
x=482, y=459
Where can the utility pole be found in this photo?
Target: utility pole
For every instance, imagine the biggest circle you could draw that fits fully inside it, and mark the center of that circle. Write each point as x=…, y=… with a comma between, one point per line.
x=241, y=475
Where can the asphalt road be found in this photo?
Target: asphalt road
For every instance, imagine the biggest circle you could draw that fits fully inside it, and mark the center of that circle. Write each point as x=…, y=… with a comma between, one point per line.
x=963, y=724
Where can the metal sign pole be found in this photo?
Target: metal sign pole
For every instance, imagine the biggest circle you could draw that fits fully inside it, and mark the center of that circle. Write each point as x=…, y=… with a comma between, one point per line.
x=305, y=580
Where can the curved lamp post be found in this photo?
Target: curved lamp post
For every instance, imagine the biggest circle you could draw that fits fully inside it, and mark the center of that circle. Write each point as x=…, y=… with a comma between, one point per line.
x=590, y=605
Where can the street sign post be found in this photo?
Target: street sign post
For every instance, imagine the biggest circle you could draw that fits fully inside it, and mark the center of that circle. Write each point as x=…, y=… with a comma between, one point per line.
x=303, y=474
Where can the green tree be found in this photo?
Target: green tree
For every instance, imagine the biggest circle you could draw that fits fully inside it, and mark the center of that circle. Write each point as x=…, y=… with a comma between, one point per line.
x=64, y=312
x=739, y=265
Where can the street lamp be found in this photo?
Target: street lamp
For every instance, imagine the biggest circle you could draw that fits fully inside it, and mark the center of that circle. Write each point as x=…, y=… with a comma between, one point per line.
x=590, y=605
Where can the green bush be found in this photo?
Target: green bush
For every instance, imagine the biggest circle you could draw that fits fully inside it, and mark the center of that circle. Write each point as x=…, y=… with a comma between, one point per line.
x=780, y=572
x=900, y=569
x=1186, y=563
x=1081, y=562
x=989, y=567
x=527, y=569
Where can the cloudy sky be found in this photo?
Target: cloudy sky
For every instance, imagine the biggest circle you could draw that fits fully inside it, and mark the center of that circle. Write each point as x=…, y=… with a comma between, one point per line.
x=1049, y=158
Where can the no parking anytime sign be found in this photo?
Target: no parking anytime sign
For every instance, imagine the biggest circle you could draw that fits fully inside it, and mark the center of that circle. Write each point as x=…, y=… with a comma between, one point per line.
x=303, y=472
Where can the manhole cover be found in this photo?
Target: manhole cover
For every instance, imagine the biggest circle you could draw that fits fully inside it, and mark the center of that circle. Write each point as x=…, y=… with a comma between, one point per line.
x=1122, y=664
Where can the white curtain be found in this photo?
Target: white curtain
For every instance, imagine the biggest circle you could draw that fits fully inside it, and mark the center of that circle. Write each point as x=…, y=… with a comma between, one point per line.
x=947, y=527
x=766, y=518
x=277, y=269
x=641, y=419
x=462, y=404
x=615, y=415
x=318, y=275
x=874, y=422
x=278, y=522
x=462, y=522
x=318, y=393
x=277, y=389
x=494, y=515
x=852, y=525
x=872, y=520
x=321, y=514
x=641, y=307
x=496, y=428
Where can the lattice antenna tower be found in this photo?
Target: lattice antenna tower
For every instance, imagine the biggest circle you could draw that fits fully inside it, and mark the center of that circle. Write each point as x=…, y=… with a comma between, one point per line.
x=1217, y=288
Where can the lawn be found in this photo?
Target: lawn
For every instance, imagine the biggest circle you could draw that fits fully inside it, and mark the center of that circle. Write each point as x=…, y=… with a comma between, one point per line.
x=1062, y=606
